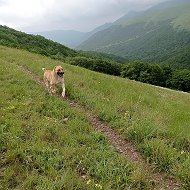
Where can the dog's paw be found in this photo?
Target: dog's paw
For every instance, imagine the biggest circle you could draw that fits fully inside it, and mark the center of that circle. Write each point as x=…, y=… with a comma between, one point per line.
x=63, y=94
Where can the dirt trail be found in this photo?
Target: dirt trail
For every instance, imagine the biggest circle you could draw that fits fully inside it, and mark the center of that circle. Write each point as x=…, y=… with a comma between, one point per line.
x=159, y=179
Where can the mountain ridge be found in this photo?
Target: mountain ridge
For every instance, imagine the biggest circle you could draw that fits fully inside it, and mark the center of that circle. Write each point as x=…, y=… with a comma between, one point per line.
x=154, y=35
x=73, y=38
x=70, y=38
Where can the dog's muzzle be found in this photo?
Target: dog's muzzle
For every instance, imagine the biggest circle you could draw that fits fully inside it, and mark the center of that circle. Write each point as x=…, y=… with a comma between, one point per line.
x=60, y=74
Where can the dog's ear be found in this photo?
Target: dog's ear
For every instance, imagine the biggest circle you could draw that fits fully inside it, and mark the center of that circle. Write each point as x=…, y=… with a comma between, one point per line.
x=54, y=68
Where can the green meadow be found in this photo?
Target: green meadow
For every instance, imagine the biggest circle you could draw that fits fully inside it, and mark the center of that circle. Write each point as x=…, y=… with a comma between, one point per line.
x=41, y=151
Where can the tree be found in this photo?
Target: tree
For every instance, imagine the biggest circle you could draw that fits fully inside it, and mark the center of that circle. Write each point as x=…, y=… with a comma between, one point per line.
x=181, y=80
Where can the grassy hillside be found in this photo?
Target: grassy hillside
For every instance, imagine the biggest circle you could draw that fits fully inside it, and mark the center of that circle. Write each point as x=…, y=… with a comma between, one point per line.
x=155, y=35
x=175, y=10
x=40, y=150
x=156, y=120
x=37, y=44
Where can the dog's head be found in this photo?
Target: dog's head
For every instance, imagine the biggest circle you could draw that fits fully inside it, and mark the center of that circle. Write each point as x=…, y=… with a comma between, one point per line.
x=59, y=70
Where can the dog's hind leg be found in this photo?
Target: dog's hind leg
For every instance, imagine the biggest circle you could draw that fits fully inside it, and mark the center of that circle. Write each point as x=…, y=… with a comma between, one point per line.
x=52, y=88
x=47, y=84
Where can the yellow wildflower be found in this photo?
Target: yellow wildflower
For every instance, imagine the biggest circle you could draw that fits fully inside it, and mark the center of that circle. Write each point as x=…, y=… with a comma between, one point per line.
x=98, y=186
x=88, y=182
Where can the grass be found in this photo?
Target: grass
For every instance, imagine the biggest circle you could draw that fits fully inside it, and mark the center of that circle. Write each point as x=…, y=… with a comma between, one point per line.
x=39, y=150
x=156, y=120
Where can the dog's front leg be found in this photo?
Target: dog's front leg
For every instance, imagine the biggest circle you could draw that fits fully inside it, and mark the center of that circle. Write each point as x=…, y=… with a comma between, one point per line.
x=63, y=92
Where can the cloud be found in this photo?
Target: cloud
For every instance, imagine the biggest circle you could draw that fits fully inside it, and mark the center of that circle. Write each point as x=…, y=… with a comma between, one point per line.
x=38, y=15
x=3, y=2
x=22, y=13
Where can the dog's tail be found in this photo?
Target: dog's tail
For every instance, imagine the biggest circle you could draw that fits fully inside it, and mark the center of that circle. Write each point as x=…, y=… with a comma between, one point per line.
x=43, y=69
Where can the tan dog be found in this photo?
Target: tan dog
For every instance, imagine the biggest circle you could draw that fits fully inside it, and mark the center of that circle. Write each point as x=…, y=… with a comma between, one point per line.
x=52, y=78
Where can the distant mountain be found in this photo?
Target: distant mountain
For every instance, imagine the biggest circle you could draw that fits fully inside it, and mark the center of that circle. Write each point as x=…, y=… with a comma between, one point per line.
x=71, y=38
x=127, y=17
x=154, y=35
x=98, y=29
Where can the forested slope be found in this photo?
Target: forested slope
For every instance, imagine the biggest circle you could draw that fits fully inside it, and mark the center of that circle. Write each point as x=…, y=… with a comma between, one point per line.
x=155, y=35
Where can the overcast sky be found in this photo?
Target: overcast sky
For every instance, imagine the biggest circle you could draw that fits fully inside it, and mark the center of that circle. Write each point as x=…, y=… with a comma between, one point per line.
x=81, y=15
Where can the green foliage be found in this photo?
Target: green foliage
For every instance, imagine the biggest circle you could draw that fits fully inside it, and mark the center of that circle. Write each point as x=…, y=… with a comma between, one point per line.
x=158, y=75
x=35, y=44
x=147, y=73
x=181, y=80
x=97, y=64
x=100, y=55
x=180, y=59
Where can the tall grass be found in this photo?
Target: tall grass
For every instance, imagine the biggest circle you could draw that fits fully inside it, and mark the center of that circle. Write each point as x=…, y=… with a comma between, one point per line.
x=156, y=120
x=40, y=150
